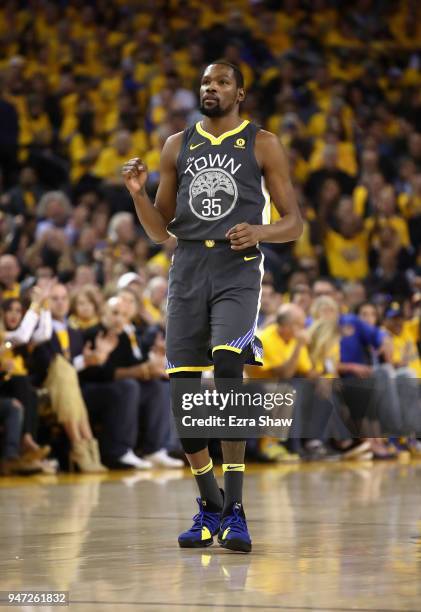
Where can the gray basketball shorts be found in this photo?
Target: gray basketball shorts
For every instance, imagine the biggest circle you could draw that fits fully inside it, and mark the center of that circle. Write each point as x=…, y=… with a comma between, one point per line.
x=213, y=303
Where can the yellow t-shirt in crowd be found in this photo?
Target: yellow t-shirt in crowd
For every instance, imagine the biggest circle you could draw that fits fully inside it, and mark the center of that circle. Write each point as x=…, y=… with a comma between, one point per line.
x=78, y=149
x=276, y=351
x=347, y=257
x=109, y=163
x=405, y=349
x=396, y=222
x=13, y=292
x=347, y=160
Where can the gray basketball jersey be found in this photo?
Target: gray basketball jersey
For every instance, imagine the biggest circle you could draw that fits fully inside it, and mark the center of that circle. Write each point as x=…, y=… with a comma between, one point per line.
x=220, y=184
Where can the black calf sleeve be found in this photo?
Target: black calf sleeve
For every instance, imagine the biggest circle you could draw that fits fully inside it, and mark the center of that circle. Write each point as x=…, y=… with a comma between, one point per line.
x=193, y=445
x=178, y=386
x=228, y=365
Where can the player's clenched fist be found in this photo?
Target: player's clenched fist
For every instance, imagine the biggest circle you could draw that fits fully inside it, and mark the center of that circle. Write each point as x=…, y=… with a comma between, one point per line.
x=243, y=236
x=135, y=175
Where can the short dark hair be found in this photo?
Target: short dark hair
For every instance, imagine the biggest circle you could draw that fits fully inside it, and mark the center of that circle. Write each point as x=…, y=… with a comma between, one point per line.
x=239, y=78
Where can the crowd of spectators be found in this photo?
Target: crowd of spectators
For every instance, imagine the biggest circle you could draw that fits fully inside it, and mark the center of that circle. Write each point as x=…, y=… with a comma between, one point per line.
x=86, y=86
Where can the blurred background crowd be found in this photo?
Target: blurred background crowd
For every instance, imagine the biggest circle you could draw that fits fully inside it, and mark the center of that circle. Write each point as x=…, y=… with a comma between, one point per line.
x=84, y=86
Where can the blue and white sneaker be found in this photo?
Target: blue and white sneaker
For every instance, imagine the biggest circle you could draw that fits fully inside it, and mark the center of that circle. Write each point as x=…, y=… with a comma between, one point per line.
x=233, y=533
x=205, y=526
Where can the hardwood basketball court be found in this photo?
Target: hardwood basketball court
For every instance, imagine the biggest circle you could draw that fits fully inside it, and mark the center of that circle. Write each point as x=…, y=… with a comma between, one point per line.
x=331, y=538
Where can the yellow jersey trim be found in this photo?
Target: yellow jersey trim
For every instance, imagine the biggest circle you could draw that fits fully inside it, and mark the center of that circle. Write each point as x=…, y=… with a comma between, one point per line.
x=189, y=369
x=216, y=140
x=226, y=347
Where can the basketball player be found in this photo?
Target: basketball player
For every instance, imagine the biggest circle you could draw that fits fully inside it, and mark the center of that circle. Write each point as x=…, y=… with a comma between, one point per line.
x=216, y=181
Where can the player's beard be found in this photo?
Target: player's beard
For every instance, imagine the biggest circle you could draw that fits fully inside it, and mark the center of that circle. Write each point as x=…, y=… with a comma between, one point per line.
x=214, y=111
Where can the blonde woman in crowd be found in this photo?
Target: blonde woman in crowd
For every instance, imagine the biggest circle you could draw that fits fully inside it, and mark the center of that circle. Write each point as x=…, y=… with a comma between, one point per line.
x=325, y=336
x=324, y=349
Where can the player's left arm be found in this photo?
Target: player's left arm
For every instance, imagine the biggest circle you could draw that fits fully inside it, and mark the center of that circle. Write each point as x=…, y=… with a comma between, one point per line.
x=274, y=164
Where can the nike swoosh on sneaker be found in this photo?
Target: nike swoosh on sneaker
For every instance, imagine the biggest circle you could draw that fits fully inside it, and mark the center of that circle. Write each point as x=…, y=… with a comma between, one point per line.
x=249, y=258
x=194, y=146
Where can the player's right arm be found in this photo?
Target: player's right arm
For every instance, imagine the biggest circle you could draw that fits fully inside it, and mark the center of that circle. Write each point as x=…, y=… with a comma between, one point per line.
x=155, y=217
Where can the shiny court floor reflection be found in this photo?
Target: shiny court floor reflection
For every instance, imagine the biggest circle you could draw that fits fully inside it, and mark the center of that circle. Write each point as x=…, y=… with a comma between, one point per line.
x=326, y=537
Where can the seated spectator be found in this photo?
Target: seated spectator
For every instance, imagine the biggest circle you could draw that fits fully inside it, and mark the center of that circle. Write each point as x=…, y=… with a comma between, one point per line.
x=135, y=284
x=284, y=343
x=407, y=363
x=121, y=231
x=55, y=365
x=369, y=313
x=405, y=351
x=85, y=307
x=20, y=330
x=54, y=211
x=127, y=361
x=368, y=393
x=11, y=461
x=112, y=404
x=285, y=356
x=325, y=338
